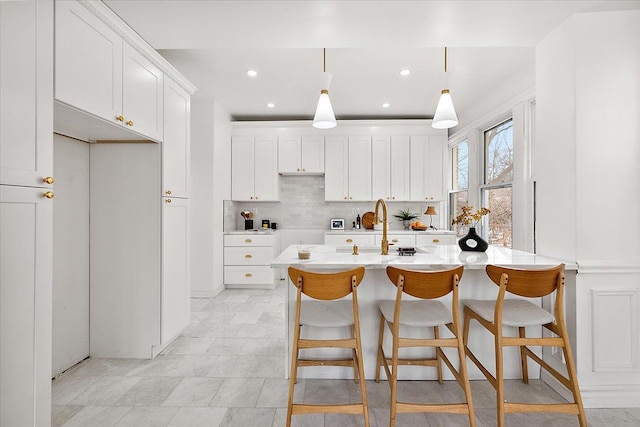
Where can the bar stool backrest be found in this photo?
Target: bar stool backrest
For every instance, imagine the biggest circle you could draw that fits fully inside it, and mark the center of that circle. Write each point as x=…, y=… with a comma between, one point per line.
x=326, y=286
x=425, y=285
x=527, y=283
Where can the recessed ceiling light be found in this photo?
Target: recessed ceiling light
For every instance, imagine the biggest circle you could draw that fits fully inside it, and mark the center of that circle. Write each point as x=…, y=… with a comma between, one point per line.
x=252, y=73
x=271, y=105
x=385, y=105
x=405, y=72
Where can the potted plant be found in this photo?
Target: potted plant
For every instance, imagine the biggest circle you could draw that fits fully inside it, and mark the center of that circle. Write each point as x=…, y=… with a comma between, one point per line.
x=406, y=216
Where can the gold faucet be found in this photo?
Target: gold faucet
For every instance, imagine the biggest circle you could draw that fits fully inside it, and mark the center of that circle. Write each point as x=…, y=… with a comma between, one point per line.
x=376, y=220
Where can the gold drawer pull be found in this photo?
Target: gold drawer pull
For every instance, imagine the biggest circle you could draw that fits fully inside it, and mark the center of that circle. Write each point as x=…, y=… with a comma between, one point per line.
x=120, y=118
x=248, y=240
x=168, y=200
x=48, y=180
x=48, y=195
x=129, y=123
x=436, y=241
x=247, y=256
x=168, y=192
x=395, y=240
x=349, y=240
x=248, y=275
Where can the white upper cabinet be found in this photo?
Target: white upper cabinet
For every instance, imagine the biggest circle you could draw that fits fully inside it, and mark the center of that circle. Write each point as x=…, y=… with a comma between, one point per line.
x=88, y=64
x=108, y=81
x=428, y=160
x=176, y=156
x=142, y=94
x=26, y=89
x=301, y=155
x=254, y=168
x=390, y=164
x=348, y=168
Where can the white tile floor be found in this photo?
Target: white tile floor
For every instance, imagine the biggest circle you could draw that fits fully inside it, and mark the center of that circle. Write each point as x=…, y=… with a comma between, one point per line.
x=227, y=370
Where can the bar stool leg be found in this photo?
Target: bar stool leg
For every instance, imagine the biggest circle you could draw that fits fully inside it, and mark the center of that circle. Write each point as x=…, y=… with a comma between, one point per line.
x=523, y=357
x=573, y=379
x=394, y=377
x=354, y=355
x=380, y=353
x=436, y=335
x=499, y=379
x=464, y=374
x=293, y=374
x=363, y=388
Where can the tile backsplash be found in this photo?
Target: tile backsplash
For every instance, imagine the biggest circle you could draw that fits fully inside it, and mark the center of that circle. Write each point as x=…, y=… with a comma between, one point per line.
x=302, y=206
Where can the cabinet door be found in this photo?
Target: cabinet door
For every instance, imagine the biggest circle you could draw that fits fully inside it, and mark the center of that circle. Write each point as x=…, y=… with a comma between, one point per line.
x=427, y=167
x=312, y=148
x=336, y=177
x=88, y=62
x=399, y=155
x=25, y=306
x=26, y=89
x=142, y=89
x=175, y=312
x=242, y=168
x=381, y=168
x=266, y=169
x=176, y=171
x=289, y=154
x=360, y=168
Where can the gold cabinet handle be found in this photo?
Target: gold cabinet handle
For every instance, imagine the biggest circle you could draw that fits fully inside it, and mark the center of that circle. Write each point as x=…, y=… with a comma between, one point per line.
x=256, y=197
x=251, y=197
x=248, y=275
x=395, y=240
x=120, y=118
x=48, y=195
x=168, y=192
x=436, y=241
x=349, y=240
x=298, y=169
x=129, y=123
x=304, y=170
x=248, y=240
x=248, y=256
x=168, y=200
x=48, y=180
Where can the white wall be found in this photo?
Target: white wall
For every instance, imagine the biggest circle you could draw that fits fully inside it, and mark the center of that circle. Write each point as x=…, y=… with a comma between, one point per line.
x=210, y=185
x=588, y=191
x=70, y=253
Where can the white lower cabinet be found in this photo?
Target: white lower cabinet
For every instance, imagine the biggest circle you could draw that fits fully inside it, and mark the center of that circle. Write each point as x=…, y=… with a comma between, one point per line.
x=397, y=240
x=359, y=239
x=432, y=239
x=25, y=306
x=247, y=259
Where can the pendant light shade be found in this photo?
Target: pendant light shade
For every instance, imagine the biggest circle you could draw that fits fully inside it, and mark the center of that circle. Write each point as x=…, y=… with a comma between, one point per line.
x=445, y=116
x=324, y=117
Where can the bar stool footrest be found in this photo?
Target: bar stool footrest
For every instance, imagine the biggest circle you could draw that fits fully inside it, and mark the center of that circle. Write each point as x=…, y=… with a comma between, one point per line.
x=564, y=408
x=354, y=408
x=453, y=408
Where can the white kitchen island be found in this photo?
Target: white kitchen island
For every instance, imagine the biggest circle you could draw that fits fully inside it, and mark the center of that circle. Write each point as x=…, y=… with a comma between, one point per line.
x=376, y=286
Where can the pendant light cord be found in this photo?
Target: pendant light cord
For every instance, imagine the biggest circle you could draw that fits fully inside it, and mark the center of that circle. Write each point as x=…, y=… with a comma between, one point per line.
x=445, y=59
x=324, y=60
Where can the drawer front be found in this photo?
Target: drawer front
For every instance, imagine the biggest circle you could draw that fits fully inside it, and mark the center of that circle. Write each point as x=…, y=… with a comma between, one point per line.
x=349, y=239
x=400, y=240
x=249, y=275
x=248, y=240
x=431, y=240
x=257, y=255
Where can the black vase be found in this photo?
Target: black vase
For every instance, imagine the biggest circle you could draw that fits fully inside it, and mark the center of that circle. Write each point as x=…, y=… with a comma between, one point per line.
x=472, y=242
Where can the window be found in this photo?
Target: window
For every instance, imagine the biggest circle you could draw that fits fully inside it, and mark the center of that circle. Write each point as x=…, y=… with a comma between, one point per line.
x=459, y=195
x=496, y=192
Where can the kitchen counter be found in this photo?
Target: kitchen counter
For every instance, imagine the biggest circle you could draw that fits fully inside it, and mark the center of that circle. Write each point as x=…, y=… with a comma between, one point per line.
x=390, y=231
x=327, y=256
x=375, y=286
x=252, y=231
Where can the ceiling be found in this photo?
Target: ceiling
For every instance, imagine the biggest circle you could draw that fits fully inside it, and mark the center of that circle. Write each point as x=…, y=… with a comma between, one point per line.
x=214, y=43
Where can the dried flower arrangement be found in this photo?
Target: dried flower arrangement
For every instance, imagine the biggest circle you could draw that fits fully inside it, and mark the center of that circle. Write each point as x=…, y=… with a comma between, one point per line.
x=467, y=217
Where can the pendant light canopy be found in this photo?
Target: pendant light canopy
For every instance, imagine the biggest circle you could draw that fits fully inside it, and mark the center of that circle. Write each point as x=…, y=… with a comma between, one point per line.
x=445, y=116
x=324, y=117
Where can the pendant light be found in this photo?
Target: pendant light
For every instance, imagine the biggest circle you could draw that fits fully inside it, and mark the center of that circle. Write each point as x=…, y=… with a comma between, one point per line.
x=445, y=116
x=324, y=117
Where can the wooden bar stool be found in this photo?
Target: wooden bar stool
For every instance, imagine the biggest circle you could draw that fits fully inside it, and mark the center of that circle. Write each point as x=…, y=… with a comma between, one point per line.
x=494, y=315
x=426, y=312
x=327, y=313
